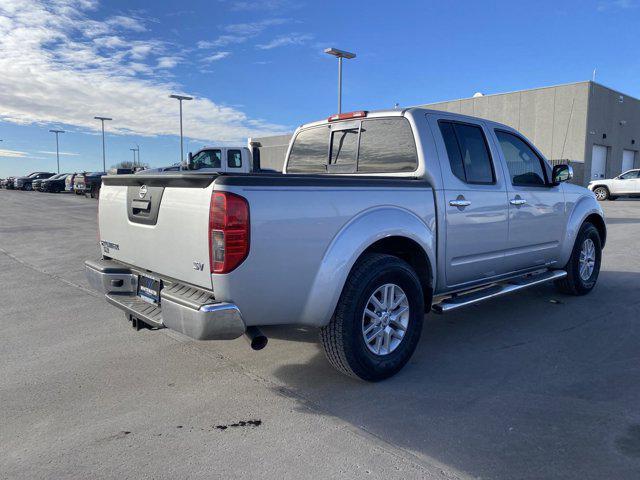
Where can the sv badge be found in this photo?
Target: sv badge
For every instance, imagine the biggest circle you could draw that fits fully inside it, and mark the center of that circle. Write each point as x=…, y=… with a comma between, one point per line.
x=198, y=266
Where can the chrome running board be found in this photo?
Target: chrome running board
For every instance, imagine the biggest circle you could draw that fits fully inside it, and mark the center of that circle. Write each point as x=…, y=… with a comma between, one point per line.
x=460, y=300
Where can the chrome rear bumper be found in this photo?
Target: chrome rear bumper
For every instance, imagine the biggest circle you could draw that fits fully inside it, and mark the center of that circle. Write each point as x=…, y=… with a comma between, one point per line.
x=182, y=308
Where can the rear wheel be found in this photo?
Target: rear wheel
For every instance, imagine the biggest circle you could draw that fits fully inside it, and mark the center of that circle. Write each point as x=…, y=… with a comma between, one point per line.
x=378, y=320
x=28, y=187
x=583, y=267
x=601, y=193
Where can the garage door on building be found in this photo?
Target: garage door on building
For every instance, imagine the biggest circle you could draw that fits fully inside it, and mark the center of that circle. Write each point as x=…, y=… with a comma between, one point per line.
x=598, y=161
x=628, y=160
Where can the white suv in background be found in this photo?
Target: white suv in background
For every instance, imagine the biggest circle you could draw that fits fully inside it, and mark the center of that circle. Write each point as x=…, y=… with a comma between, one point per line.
x=627, y=183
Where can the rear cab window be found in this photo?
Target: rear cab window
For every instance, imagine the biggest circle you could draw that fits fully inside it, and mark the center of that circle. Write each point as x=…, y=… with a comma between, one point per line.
x=368, y=146
x=234, y=158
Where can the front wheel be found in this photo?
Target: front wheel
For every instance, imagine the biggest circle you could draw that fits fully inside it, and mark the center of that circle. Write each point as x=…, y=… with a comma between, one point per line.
x=583, y=266
x=378, y=320
x=601, y=193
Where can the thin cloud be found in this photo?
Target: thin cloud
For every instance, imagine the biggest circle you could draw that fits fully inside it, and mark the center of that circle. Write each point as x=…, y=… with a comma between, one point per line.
x=58, y=67
x=240, y=33
x=216, y=56
x=617, y=5
x=168, y=62
x=66, y=154
x=285, y=40
x=12, y=153
x=241, y=5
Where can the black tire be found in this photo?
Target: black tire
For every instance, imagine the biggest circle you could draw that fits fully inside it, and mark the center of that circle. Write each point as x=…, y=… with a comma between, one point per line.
x=601, y=193
x=342, y=339
x=28, y=187
x=573, y=283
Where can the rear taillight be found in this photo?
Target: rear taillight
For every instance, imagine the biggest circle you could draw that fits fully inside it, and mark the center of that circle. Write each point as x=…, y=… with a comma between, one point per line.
x=228, y=231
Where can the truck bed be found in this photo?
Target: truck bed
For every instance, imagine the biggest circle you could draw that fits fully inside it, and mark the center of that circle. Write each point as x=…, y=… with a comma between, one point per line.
x=296, y=222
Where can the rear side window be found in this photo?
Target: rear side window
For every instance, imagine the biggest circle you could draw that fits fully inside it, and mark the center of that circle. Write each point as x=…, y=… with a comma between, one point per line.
x=309, y=151
x=234, y=158
x=525, y=167
x=468, y=152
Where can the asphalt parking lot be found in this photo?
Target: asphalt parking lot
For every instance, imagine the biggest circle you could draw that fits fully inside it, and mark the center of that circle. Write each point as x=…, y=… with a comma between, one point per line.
x=535, y=385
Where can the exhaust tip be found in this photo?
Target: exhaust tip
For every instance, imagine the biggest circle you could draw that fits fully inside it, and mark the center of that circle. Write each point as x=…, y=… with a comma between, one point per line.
x=256, y=338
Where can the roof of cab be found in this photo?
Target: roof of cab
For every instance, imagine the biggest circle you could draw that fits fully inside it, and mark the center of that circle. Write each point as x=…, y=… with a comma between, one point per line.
x=400, y=112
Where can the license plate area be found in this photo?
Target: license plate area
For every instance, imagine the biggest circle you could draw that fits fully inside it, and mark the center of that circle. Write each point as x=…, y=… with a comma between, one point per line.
x=149, y=289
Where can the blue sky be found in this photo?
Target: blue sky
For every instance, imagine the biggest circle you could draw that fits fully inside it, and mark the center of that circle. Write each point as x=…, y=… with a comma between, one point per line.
x=257, y=67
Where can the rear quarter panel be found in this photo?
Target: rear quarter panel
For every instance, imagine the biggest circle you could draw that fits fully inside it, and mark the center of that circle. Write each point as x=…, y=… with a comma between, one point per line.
x=304, y=241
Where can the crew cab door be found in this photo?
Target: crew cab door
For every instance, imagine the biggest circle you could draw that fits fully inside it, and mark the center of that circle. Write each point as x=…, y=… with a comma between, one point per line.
x=475, y=198
x=537, y=217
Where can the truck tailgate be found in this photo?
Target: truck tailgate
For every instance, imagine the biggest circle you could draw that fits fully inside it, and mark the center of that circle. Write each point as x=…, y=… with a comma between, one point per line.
x=157, y=224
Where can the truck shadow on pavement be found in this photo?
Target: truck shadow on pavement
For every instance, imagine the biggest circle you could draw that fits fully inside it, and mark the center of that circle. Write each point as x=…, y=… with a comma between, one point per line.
x=529, y=385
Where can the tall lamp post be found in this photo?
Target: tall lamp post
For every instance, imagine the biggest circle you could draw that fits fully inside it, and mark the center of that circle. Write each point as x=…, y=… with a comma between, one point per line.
x=104, y=157
x=134, y=156
x=57, y=132
x=340, y=54
x=180, y=98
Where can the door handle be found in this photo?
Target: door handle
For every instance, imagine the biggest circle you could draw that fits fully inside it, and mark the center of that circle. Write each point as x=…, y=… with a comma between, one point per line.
x=517, y=201
x=459, y=203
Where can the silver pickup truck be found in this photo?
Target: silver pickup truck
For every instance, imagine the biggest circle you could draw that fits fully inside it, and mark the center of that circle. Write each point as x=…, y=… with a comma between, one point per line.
x=376, y=219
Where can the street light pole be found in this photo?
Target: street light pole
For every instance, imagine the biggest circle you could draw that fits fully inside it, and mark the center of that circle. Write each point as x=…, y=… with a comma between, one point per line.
x=134, y=156
x=104, y=157
x=340, y=54
x=57, y=147
x=180, y=98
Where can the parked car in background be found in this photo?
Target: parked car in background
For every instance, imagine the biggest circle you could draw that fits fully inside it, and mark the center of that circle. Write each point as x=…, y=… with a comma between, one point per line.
x=26, y=182
x=55, y=184
x=68, y=182
x=172, y=168
x=2, y=182
x=35, y=184
x=377, y=218
x=8, y=183
x=221, y=159
x=627, y=183
x=88, y=183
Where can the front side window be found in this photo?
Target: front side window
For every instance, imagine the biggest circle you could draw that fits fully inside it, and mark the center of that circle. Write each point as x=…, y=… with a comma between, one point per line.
x=207, y=159
x=234, y=158
x=468, y=152
x=525, y=167
x=309, y=151
x=633, y=174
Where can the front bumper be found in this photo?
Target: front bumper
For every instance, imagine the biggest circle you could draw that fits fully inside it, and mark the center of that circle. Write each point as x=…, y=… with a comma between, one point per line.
x=183, y=308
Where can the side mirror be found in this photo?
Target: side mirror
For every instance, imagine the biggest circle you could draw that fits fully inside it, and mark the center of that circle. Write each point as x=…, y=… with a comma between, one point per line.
x=562, y=173
x=189, y=164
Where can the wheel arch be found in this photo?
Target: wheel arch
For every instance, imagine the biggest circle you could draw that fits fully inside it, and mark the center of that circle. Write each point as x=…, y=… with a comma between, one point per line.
x=387, y=229
x=586, y=208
